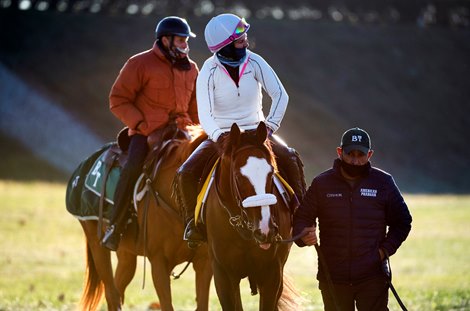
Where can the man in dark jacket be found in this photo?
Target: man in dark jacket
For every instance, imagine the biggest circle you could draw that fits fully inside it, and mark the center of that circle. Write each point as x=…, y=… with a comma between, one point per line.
x=362, y=216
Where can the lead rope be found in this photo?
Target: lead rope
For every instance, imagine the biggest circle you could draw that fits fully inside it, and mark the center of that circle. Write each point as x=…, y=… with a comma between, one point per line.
x=328, y=276
x=324, y=265
x=387, y=269
x=388, y=272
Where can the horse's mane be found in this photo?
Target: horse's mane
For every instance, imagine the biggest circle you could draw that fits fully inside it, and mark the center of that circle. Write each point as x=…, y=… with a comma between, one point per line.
x=196, y=132
x=186, y=146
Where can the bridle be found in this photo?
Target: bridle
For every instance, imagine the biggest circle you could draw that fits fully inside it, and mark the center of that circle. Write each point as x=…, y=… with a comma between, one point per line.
x=238, y=217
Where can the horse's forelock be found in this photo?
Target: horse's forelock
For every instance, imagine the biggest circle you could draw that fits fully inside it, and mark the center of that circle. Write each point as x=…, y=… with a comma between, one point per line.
x=247, y=138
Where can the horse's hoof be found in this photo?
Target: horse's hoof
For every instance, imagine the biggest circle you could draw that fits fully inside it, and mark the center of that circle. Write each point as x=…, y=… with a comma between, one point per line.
x=154, y=306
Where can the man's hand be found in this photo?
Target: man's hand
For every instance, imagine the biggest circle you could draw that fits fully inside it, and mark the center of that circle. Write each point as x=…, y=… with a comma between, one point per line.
x=310, y=238
x=382, y=255
x=141, y=126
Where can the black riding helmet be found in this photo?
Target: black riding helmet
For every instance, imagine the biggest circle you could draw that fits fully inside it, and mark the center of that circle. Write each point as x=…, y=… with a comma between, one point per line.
x=173, y=26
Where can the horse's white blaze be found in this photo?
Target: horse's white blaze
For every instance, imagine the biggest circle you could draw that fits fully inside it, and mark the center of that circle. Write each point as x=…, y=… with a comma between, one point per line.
x=256, y=170
x=265, y=215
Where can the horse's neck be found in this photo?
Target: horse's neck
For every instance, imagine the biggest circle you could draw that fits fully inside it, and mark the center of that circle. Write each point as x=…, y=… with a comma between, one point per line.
x=162, y=181
x=224, y=179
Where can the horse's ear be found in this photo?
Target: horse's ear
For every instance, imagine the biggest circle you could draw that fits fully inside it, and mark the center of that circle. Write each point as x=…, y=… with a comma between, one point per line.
x=234, y=134
x=261, y=132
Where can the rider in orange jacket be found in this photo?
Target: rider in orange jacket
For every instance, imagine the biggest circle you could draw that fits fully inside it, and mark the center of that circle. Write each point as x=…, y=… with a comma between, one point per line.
x=152, y=87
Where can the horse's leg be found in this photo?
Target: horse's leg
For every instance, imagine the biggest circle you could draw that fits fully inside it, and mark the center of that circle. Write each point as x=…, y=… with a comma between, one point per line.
x=103, y=266
x=227, y=288
x=161, y=280
x=270, y=289
x=203, y=269
x=238, y=299
x=125, y=271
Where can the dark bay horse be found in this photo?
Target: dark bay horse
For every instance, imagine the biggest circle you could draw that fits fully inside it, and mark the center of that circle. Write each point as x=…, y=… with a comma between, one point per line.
x=158, y=236
x=245, y=217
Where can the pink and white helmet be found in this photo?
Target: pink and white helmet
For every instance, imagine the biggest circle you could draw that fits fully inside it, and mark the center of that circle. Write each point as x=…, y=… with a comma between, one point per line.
x=223, y=30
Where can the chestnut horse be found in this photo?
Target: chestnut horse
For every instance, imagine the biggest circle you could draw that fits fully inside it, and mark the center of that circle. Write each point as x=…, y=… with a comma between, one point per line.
x=159, y=237
x=245, y=217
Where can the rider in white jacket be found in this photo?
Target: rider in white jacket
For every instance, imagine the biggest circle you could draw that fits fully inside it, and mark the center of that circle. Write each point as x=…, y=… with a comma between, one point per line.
x=223, y=101
x=229, y=90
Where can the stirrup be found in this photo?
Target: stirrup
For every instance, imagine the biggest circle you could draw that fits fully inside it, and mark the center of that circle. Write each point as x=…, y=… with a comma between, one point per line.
x=110, y=240
x=109, y=232
x=192, y=235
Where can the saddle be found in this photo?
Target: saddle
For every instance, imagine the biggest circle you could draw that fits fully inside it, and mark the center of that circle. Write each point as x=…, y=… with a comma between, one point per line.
x=101, y=179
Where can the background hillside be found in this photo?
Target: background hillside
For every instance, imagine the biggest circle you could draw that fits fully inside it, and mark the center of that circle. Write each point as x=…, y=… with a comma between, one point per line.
x=408, y=86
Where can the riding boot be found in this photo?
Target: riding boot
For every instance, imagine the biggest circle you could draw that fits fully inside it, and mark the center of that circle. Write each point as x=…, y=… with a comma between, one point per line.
x=298, y=174
x=187, y=198
x=192, y=234
x=290, y=162
x=111, y=238
x=186, y=186
x=119, y=216
x=118, y=223
x=296, y=178
x=123, y=194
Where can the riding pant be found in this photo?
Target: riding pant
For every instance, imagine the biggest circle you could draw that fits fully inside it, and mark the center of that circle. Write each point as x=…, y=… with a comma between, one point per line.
x=137, y=151
x=189, y=176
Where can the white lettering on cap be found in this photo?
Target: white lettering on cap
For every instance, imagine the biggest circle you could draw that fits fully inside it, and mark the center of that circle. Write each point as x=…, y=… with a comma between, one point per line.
x=356, y=138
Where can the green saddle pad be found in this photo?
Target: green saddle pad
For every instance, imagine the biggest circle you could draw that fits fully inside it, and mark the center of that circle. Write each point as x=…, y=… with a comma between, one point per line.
x=94, y=179
x=86, y=184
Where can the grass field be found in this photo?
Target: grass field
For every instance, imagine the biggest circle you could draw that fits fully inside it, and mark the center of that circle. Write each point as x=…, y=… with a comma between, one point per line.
x=42, y=257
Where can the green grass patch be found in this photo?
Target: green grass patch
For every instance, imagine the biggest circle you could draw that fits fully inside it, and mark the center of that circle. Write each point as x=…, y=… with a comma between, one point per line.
x=42, y=257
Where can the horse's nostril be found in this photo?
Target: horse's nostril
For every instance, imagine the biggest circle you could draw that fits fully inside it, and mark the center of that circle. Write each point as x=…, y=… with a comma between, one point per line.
x=259, y=236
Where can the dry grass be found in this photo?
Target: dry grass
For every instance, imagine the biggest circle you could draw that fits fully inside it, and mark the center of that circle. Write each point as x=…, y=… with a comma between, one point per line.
x=42, y=257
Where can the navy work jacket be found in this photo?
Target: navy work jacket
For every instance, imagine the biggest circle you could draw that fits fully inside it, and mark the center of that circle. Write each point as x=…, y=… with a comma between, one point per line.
x=354, y=222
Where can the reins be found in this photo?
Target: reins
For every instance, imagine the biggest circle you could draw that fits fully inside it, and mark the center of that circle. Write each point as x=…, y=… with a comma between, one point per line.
x=322, y=262
x=148, y=183
x=159, y=201
x=293, y=239
x=177, y=276
x=238, y=221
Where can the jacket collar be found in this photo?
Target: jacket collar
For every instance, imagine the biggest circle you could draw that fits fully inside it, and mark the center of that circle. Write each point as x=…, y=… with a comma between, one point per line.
x=247, y=58
x=337, y=168
x=157, y=51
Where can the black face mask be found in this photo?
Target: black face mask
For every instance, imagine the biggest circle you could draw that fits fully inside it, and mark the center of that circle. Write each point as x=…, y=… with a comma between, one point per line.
x=354, y=170
x=231, y=53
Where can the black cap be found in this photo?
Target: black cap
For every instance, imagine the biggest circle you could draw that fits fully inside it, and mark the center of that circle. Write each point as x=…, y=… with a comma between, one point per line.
x=355, y=139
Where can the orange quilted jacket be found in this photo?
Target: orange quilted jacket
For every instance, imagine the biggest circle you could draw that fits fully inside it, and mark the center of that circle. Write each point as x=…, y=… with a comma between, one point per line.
x=148, y=89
